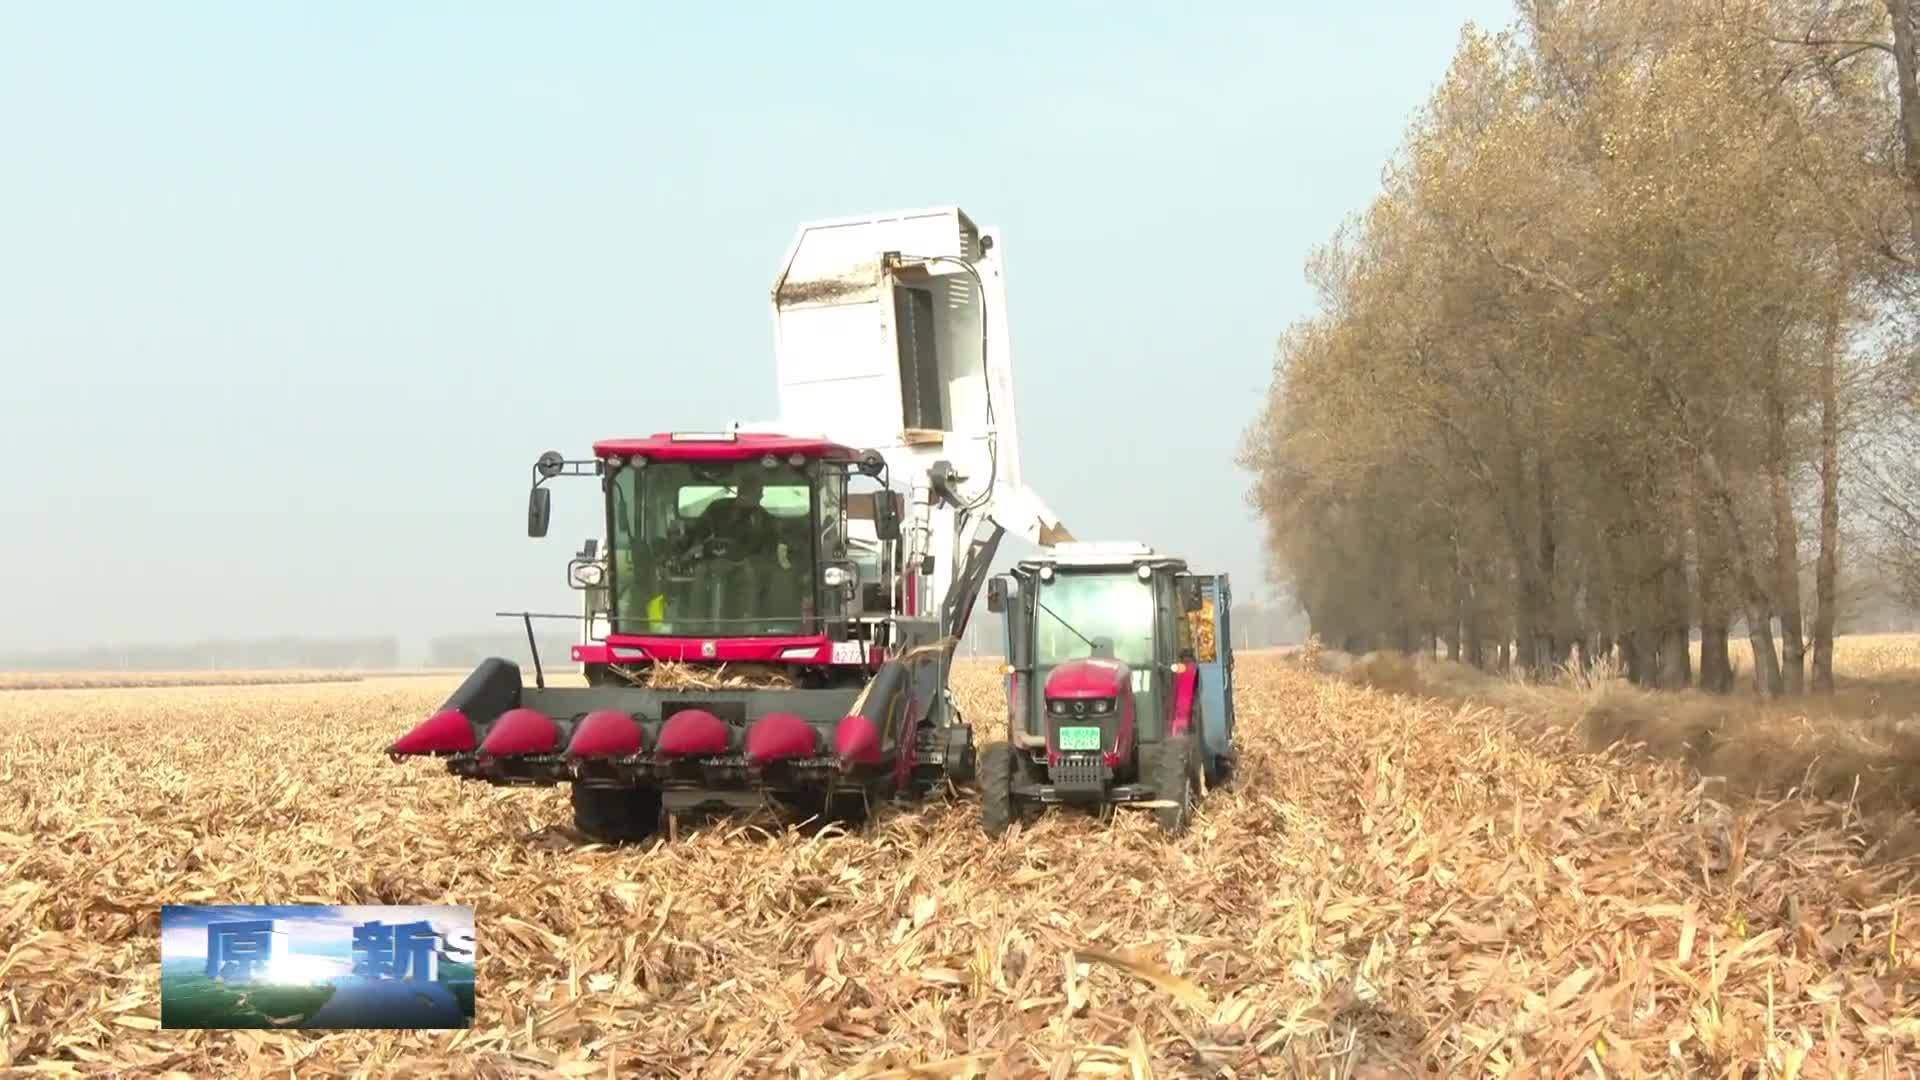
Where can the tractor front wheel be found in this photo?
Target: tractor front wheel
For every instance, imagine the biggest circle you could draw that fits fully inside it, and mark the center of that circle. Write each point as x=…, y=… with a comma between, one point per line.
x=619, y=815
x=995, y=765
x=1176, y=780
x=1221, y=774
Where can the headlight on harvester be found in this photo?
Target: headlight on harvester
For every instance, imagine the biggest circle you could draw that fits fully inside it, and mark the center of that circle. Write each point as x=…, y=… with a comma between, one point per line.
x=1101, y=707
x=587, y=575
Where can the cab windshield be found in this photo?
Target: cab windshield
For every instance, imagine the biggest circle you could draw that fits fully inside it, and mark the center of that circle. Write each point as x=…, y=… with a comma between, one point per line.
x=1081, y=608
x=712, y=549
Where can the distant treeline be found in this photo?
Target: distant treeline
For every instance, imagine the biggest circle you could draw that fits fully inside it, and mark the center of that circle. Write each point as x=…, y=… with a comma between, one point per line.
x=1254, y=626
x=291, y=652
x=466, y=650
x=287, y=651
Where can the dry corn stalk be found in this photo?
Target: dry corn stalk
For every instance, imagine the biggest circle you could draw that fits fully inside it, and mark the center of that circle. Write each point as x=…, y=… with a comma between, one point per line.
x=1200, y=622
x=672, y=675
x=1310, y=653
x=911, y=654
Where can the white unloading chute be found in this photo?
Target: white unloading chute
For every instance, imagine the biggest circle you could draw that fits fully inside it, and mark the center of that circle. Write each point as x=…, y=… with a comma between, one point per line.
x=890, y=334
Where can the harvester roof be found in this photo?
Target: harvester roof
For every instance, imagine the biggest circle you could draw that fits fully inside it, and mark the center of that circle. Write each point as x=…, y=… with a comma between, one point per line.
x=722, y=446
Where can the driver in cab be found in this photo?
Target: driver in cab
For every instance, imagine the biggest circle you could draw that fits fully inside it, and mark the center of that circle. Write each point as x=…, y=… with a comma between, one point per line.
x=740, y=522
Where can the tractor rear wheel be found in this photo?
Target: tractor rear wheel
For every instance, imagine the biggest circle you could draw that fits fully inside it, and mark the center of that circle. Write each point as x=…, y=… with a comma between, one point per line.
x=995, y=765
x=622, y=815
x=1176, y=779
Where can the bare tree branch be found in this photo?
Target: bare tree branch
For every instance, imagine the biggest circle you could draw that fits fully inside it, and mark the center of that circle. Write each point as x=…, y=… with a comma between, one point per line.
x=1855, y=47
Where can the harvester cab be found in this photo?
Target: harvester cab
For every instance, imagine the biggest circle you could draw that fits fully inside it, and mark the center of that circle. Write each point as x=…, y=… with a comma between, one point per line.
x=1119, y=682
x=771, y=611
x=740, y=549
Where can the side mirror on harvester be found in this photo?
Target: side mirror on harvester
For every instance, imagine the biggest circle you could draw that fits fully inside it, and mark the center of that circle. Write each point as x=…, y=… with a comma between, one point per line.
x=886, y=516
x=539, y=511
x=997, y=594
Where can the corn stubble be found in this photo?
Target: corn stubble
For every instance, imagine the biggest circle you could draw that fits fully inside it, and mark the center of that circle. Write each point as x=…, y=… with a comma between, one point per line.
x=1391, y=884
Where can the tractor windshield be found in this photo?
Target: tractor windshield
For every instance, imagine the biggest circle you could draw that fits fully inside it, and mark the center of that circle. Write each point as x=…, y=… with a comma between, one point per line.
x=1079, y=609
x=716, y=549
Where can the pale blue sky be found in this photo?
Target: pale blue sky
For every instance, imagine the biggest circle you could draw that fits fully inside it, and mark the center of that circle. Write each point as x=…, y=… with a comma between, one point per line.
x=291, y=296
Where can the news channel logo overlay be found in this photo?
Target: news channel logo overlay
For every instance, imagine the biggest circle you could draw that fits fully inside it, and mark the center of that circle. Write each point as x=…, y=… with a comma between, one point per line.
x=316, y=966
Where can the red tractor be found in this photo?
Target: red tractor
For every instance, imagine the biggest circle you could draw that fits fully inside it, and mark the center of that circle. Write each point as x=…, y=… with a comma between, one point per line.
x=1119, y=684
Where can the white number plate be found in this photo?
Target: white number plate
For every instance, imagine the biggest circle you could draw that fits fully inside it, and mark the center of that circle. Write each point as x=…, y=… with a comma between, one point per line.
x=846, y=652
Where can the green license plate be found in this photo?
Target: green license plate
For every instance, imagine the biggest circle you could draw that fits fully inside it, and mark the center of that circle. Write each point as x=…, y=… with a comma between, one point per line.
x=1079, y=738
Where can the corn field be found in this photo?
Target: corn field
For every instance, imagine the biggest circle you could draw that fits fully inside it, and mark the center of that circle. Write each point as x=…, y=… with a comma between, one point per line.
x=1392, y=886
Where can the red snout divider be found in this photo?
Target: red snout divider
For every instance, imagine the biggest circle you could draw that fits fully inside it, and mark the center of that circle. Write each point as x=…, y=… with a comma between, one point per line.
x=605, y=733
x=445, y=732
x=856, y=740
x=521, y=731
x=778, y=736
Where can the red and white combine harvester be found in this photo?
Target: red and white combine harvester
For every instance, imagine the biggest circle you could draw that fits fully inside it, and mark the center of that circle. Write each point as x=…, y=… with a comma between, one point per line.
x=771, y=611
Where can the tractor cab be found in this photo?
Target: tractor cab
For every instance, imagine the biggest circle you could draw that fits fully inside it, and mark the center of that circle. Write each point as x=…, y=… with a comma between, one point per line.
x=1114, y=651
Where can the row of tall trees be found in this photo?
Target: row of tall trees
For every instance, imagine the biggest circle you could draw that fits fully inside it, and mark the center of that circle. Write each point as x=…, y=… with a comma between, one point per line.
x=1620, y=355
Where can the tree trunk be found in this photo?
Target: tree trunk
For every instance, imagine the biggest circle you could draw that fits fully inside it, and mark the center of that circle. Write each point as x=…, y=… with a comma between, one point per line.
x=1547, y=648
x=1754, y=599
x=1634, y=651
x=1527, y=603
x=1676, y=660
x=1826, y=571
x=1786, y=545
x=1676, y=666
x=1650, y=608
x=1713, y=642
x=1523, y=633
x=1461, y=621
x=1716, y=665
x=1907, y=88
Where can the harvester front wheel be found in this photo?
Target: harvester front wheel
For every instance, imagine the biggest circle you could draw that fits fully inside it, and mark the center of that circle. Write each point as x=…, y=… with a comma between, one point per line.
x=847, y=809
x=617, y=815
x=1176, y=780
x=995, y=767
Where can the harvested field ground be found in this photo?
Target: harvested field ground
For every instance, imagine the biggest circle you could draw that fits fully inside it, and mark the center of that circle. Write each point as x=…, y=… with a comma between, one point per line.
x=1860, y=746
x=1393, y=887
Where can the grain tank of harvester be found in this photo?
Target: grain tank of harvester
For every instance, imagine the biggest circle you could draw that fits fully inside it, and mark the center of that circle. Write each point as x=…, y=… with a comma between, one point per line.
x=1119, y=680
x=771, y=611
